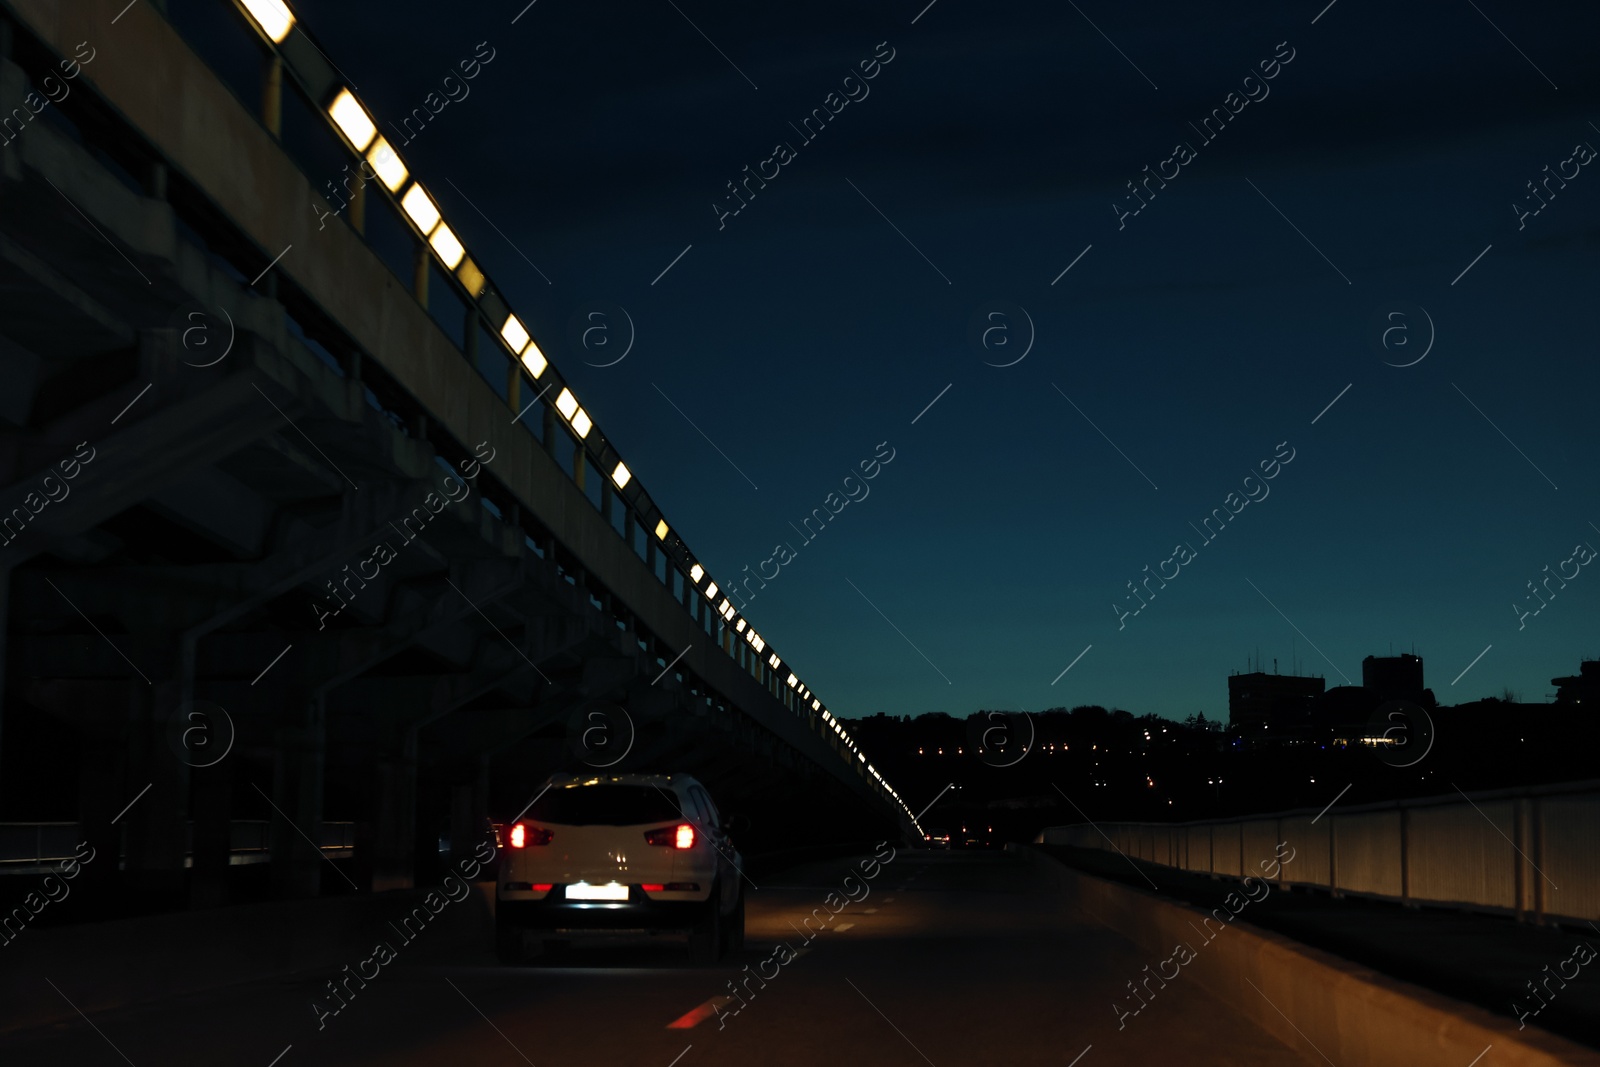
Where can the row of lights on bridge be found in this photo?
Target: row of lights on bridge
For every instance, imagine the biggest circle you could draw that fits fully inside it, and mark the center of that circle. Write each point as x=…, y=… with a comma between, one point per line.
x=350, y=117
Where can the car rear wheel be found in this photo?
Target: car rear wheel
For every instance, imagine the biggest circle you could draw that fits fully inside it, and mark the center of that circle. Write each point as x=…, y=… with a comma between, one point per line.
x=707, y=938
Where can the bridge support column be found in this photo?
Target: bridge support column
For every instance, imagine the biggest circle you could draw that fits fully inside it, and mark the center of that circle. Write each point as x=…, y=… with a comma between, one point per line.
x=158, y=820
x=394, y=843
x=213, y=834
x=103, y=776
x=297, y=782
x=5, y=605
x=469, y=814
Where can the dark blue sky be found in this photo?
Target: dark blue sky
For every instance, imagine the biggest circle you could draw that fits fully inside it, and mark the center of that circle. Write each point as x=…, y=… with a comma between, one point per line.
x=1196, y=338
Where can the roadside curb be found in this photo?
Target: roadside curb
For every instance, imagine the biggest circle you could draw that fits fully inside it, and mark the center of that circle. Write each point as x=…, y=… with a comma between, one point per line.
x=1352, y=1015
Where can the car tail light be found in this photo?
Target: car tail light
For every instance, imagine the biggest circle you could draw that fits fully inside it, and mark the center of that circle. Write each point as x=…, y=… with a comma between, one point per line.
x=543, y=887
x=653, y=887
x=680, y=836
x=671, y=887
x=523, y=835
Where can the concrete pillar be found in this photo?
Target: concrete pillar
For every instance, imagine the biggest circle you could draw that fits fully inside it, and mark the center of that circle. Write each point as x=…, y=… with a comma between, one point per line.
x=469, y=814
x=5, y=608
x=158, y=823
x=103, y=792
x=213, y=833
x=297, y=781
x=394, y=838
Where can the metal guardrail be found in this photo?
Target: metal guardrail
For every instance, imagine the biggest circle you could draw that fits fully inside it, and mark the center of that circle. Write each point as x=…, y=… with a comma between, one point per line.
x=34, y=847
x=1531, y=852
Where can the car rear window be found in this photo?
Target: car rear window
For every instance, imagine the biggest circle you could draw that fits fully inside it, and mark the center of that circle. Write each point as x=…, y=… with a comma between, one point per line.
x=605, y=805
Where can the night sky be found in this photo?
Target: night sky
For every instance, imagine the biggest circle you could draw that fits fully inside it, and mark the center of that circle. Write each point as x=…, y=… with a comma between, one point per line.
x=1189, y=343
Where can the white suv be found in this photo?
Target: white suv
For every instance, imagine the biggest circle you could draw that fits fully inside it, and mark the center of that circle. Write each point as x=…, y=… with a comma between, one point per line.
x=622, y=854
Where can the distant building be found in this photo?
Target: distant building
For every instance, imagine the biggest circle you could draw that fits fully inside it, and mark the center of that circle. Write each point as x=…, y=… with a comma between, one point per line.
x=1581, y=688
x=1395, y=678
x=1280, y=702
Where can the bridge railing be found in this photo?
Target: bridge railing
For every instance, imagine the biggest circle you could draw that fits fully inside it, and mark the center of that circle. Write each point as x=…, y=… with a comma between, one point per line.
x=280, y=74
x=1531, y=852
x=37, y=847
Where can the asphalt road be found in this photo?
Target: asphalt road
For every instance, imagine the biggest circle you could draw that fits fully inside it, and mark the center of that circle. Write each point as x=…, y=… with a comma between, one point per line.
x=942, y=958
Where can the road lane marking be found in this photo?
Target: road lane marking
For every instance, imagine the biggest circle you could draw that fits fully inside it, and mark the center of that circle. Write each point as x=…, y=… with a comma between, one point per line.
x=697, y=1015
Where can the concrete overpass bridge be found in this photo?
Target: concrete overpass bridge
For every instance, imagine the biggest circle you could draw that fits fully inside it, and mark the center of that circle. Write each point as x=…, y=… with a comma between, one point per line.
x=299, y=523
x=311, y=560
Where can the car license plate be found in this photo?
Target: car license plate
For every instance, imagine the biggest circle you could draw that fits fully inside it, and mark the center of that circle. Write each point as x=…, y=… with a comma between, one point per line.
x=585, y=891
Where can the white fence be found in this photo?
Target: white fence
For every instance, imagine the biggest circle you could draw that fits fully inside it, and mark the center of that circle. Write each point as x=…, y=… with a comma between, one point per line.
x=1529, y=852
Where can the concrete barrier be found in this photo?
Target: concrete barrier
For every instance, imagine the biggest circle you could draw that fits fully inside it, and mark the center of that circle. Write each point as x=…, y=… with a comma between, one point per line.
x=123, y=963
x=1319, y=1004
x=1527, y=851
